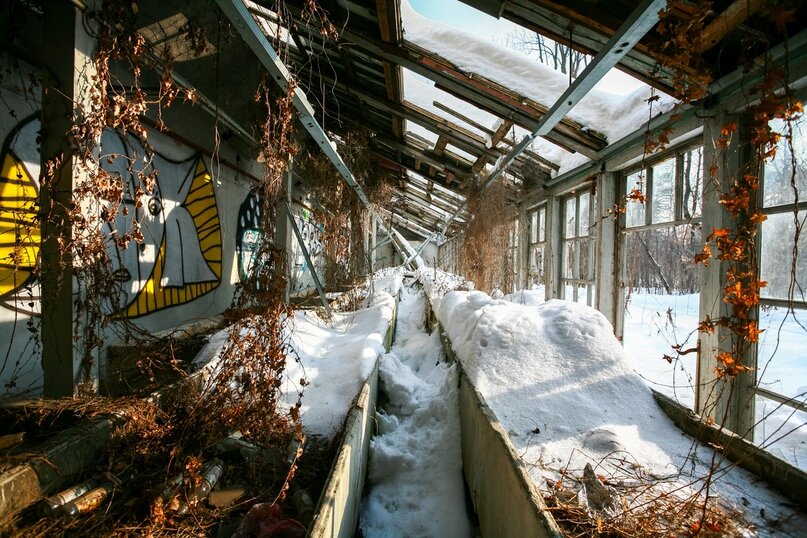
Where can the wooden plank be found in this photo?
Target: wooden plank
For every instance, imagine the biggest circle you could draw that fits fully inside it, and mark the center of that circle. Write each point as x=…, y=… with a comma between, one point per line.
x=501, y=132
x=463, y=117
x=733, y=16
x=389, y=25
x=440, y=145
x=499, y=100
x=591, y=31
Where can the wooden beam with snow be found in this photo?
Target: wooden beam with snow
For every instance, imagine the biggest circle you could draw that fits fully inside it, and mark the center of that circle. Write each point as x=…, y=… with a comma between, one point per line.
x=733, y=16
x=641, y=20
x=398, y=220
x=473, y=88
x=591, y=29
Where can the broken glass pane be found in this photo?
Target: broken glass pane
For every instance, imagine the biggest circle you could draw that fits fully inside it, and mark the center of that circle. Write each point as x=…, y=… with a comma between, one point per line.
x=663, y=199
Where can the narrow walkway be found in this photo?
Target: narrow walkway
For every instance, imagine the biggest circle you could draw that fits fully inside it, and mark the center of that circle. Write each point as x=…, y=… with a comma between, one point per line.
x=415, y=483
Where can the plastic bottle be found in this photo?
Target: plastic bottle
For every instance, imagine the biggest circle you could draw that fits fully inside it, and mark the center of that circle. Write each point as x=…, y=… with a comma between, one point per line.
x=87, y=502
x=51, y=504
x=211, y=473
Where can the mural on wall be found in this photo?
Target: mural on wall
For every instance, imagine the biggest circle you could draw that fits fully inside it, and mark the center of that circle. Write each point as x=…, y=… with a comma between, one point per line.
x=312, y=232
x=19, y=205
x=180, y=258
x=248, y=233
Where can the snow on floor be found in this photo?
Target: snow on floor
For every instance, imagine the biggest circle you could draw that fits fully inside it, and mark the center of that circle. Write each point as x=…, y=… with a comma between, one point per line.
x=335, y=357
x=655, y=321
x=557, y=379
x=415, y=474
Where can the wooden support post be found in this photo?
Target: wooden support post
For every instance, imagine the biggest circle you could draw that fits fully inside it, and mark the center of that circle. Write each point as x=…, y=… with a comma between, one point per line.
x=606, y=278
x=70, y=50
x=730, y=402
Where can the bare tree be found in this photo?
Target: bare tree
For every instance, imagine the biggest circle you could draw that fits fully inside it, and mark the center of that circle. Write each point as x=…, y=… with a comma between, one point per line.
x=556, y=55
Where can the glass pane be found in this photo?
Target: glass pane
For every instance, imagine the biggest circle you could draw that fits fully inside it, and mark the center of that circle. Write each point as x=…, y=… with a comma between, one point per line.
x=568, y=292
x=571, y=226
x=534, y=227
x=634, y=209
x=781, y=354
x=777, y=257
x=661, y=307
x=664, y=191
x=584, y=214
x=568, y=260
x=693, y=183
x=582, y=294
x=779, y=170
x=782, y=431
x=585, y=267
x=542, y=224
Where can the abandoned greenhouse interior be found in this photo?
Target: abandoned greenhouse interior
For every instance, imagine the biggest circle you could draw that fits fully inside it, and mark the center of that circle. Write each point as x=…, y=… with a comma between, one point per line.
x=448, y=268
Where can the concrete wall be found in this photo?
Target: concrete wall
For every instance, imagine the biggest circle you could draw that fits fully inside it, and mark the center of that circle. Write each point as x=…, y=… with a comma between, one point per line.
x=502, y=491
x=504, y=495
x=199, y=227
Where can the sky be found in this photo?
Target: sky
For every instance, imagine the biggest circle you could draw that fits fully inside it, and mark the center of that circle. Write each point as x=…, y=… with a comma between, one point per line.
x=464, y=17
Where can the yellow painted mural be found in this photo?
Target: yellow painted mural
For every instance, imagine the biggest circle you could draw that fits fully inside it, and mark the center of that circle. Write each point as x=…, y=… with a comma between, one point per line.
x=180, y=258
x=19, y=203
x=159, y=291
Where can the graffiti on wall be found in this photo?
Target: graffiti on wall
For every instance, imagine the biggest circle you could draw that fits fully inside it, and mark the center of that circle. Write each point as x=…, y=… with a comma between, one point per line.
x=180, y=258
x=248, y=233
x=312, y=237
x=19, y=205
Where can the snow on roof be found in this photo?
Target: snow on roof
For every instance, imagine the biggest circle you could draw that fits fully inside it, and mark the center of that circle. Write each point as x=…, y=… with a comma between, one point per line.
x=557, y=379
x=423, y=93
x=612, y=115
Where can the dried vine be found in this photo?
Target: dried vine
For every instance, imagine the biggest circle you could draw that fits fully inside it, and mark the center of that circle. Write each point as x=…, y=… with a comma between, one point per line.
x=483, y=257
x=344, y=219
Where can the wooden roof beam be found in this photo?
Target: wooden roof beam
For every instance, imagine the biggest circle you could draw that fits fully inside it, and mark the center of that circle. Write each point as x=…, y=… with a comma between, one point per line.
x=473, y=89
x=728, y=20
x=389, y=25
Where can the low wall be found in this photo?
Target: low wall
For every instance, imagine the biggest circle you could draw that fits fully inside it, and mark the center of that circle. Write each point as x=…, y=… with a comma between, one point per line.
x=338, y=509
x=339, y=504
x=504, y=495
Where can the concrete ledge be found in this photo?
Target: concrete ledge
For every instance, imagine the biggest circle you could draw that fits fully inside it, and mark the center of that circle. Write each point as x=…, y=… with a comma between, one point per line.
x=787, y=479
x=338, y=508
x=504, y=494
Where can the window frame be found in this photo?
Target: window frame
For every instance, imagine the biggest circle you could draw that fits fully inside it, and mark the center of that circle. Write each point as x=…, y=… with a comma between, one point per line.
x=796, y=304
x=588, y=241
x=537, y=274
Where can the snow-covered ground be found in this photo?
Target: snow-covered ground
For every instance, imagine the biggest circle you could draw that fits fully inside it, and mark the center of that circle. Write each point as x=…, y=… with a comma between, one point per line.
x=335, y=358
x=557, y=379
x=415, y=474
x=654, y=322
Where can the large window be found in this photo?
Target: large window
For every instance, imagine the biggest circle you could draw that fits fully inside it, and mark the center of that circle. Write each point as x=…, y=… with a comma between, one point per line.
x=662, y=235
x=781, y=375
x=536, y=275
x=577, y=269
x=513, y=263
